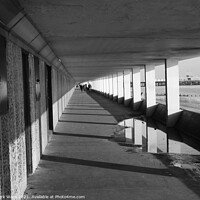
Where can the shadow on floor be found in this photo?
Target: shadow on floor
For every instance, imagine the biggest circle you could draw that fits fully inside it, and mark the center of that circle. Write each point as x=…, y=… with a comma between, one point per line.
x=65, y=113
x=118, y=111
x=84, y=109
x=81, y=135
x=83, y=122
x=106, y=165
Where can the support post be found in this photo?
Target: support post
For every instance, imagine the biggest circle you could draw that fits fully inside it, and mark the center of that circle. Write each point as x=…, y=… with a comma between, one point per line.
x=137, y=100
x=150, y=90
x=111, y=87
x=127, y=87
x=115, y=88
x=172, y=91
x=120, y=79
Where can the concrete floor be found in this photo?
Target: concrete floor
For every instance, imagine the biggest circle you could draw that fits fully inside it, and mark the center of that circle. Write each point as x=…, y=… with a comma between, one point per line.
x=81, y=162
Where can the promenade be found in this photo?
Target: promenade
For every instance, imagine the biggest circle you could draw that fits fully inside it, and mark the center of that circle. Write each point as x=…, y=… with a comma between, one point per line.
x=82, y=162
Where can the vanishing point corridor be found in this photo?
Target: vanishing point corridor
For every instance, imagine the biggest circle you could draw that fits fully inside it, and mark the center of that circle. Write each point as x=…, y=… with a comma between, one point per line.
x=82, y=161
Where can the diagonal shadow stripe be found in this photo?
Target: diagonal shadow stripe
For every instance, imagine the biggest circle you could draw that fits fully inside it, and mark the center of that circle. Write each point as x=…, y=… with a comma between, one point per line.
x=82, y=135
x=106, y=165
x=83, y=109
x=85, y=114
x=82, y=122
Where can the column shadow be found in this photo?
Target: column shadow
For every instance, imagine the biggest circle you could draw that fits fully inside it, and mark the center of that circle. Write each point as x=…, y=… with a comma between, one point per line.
x=118, y=111
x=106, y=165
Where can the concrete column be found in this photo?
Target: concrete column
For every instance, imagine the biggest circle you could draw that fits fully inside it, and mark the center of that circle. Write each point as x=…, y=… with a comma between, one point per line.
x=111, y=87
x=144, y=136
x=172, y=91
x=99, y=84
x=115, y=88
x=138, y=132
x=152, y=140
x=120, y=80
x=136, y=88
x=107, y=86
x=127, y=87
x=162, y=141
x=104, y=85
x=150, y=89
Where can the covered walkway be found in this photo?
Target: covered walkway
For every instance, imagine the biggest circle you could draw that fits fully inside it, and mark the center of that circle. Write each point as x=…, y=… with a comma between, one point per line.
x=82, y=161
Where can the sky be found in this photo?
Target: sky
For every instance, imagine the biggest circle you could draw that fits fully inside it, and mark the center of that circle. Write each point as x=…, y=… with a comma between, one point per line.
x=186, y=67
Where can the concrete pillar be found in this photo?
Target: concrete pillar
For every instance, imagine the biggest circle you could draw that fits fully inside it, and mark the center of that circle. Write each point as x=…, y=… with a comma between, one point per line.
x=152, y=140
x=144, y=136
x=172, y=91
x=115, y=88
x=138, y=131
x=111, y=87
x=136, y=88
x=127, y=87
x=120, y=80
x=150, y=89
x=162, y=141
x=104, y=85
x=99, y=85
x=107, y=86
x=174, y=141
x=129, y=135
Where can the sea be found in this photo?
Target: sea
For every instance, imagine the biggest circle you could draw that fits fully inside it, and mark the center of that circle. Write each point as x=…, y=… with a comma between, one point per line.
x=184, y=90
x=189, y=97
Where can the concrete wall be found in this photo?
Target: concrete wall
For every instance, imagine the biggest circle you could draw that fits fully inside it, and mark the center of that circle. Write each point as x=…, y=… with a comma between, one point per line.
x=13, y=152
x=13, y=161
x=35, y=137
x=43, y=111
x=62, y=90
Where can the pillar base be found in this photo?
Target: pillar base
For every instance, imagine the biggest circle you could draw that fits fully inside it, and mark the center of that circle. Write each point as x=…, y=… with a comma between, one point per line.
x=127, y=102
x=121, y=100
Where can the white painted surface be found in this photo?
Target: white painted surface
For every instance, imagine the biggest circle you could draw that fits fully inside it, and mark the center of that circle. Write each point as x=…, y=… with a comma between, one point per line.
x=136, y=87
x=138, y=132
x=120, y=85
x=150, y=89
x=110, y=85
x=172, y=90
x=115, y=85
x=162, y=141
x=152, y=140
x=127, y=85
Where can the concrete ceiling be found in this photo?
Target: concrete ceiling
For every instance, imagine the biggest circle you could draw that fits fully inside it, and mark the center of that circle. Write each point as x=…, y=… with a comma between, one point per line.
x=94, y=38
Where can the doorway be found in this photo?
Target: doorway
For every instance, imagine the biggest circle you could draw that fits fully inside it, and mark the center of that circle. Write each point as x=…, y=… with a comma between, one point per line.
x=27, y=110
x=49, y=100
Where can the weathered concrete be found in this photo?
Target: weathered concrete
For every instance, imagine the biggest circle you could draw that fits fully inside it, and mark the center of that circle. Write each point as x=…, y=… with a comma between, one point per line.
x=94, y=37
x=81, y=159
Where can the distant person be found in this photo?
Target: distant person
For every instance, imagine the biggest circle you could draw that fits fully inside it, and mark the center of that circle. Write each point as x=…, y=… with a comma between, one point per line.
x=81, y=87
x=85, y=87
x=89, y=87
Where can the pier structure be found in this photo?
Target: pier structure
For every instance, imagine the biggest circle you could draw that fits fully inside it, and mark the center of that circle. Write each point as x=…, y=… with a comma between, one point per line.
x=57, y=140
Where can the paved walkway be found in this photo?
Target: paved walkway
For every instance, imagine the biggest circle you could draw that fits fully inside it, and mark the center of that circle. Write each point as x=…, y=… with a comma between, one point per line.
x=82, y=161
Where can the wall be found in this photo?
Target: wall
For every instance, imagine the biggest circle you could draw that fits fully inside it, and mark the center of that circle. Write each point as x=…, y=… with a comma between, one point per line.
x=62, y=90
x=43, y=111
x=13, y=161
x=12, y=128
